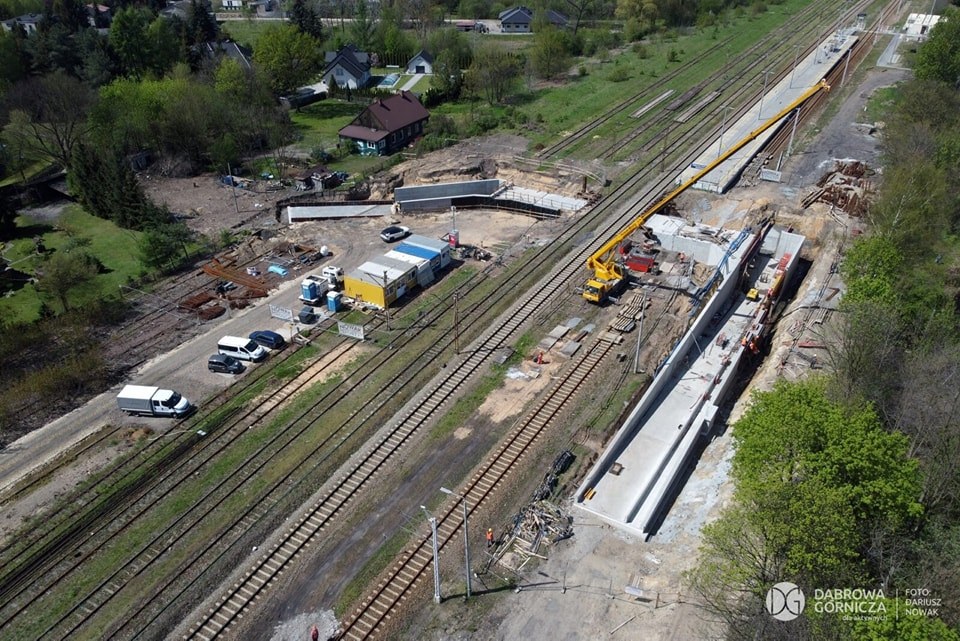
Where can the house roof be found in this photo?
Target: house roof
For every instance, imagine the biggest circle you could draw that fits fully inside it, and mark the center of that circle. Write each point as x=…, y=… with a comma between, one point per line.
x=523, y=15
x=359, y=132
x=350, y=58
x=229, y=49
x=385, y=116
x=27, y=18
x=397, y=111
x=424, y=55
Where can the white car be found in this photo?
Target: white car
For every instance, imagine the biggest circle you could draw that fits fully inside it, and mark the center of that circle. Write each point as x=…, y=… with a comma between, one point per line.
x=394, y=232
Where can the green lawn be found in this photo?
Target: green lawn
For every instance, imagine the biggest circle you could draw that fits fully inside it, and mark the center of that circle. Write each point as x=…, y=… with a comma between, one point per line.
x=247, y=32
x=116, y=248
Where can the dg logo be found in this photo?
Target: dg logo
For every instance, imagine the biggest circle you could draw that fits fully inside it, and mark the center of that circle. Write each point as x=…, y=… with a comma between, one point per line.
x=785, y=601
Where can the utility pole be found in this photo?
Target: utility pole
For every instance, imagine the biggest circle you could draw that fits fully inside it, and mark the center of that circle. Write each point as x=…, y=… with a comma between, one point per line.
x=796, y=55
x=723, y=128
x=233, y=186
x=763, y=93
x=793, y=132
x=456, y=321
x=436, y=555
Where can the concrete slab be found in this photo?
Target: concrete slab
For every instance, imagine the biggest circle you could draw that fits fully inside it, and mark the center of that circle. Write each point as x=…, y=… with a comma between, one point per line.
x=542, y=198
x=570, y=348
x=558, y=332
x=298, y=214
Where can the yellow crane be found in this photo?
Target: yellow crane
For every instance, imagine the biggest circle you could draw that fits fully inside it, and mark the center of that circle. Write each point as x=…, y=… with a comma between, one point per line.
x=608, y=275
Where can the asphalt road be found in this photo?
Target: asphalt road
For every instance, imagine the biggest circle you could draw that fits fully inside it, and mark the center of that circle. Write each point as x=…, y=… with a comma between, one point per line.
x=183, y=369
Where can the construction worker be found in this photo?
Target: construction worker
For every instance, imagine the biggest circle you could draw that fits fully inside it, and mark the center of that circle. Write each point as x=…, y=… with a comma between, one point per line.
x=489, y=537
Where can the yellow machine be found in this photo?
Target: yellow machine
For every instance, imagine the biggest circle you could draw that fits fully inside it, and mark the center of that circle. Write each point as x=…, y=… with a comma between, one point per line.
x=609, y=277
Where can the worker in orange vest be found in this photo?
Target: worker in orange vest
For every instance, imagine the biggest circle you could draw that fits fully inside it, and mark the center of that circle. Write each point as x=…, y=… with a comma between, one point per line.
x=489, y=537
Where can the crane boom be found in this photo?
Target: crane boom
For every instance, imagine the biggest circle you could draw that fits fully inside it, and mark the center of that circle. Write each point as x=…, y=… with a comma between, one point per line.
x=606, y=272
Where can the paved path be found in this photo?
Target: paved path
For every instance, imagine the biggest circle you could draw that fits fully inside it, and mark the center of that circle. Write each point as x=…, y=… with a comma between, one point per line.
x=412, y=82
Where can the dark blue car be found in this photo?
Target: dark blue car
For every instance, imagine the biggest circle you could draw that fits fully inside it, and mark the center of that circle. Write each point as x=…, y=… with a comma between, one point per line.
x=267, y=338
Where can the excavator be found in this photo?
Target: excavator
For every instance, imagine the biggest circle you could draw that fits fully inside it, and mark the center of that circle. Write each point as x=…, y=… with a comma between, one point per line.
x=609, y=277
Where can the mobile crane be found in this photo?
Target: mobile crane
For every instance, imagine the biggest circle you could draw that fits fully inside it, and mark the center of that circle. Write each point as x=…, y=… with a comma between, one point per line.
x=608, y=275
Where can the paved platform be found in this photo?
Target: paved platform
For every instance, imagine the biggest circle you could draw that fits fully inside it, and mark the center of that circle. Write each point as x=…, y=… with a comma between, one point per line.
x=807, y=73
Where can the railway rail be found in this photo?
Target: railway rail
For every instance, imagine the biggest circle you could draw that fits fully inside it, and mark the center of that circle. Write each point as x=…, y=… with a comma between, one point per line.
x=347, y=485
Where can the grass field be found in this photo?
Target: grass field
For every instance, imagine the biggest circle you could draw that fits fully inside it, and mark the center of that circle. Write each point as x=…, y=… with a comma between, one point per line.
x=115, y=248
x=246, y=32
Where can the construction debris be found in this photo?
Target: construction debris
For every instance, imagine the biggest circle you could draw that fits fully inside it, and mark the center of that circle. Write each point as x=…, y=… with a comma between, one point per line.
x=845, y=187
x=539, y=523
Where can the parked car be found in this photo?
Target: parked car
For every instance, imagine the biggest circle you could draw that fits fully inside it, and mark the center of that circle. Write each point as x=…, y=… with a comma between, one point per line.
x=269, y=339
x=224, y=364
x=394, y=232
x=307, y=316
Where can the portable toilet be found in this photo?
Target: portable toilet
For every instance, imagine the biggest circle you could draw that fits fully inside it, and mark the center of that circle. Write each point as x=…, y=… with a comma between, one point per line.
x=454, y=238
x=334, y=301
x=309, y=290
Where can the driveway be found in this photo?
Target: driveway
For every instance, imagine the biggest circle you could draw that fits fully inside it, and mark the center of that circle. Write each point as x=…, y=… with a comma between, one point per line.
x=412, y=82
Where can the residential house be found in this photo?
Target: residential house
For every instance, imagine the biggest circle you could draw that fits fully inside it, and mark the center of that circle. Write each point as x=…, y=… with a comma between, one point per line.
x=520, y=19
x=348, y=67
x=29, y=22
x=386, y=125
x=98, y=15
x=230, y=49
x=420, y=63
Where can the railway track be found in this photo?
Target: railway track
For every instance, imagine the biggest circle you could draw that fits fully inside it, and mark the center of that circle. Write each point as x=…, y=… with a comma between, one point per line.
x=403, y=578
x=237, y=601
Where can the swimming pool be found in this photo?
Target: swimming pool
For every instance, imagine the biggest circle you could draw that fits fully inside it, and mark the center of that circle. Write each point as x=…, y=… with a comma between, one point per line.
x=389, y=80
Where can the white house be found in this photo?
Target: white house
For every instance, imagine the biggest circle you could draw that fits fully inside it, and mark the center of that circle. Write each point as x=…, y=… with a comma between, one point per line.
x=420, y=63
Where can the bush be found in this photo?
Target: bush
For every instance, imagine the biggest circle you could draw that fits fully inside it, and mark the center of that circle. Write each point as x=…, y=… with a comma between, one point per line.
x=618, y=74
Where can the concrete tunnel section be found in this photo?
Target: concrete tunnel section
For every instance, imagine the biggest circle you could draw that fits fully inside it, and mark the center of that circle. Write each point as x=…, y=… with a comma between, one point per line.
x=635, y=479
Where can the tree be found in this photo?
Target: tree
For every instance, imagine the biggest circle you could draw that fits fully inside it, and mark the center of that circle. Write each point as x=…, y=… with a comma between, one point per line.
x=14, y=61
x=71, y=14
x=127, y=36
x=939, y=57
x=361, y=29
x=493, y=72
x=201, y=27
x=579, y=7
x=160, y=246
x=144, y=44
x=815, y=482
x=304, y=15
x=549, y=56
x=48, y=116
x=287, y=57
x=107, y=187
x=98, y=65
x=66, y=271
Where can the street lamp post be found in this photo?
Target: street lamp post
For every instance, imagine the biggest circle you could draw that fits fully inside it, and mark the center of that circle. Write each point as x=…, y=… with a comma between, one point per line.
x=466, y=537
x=723, y=127
x=763, y=93
x=436, y=554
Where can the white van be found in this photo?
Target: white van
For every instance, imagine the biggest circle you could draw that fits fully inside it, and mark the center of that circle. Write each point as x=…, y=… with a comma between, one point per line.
x=242, y=348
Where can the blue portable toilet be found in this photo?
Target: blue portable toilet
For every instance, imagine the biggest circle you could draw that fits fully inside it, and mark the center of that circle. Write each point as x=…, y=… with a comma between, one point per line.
x=334, y=301
x=309, y=290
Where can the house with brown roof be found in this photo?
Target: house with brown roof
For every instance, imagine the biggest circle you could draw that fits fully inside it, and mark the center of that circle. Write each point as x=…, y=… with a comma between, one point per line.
x=386, y=125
